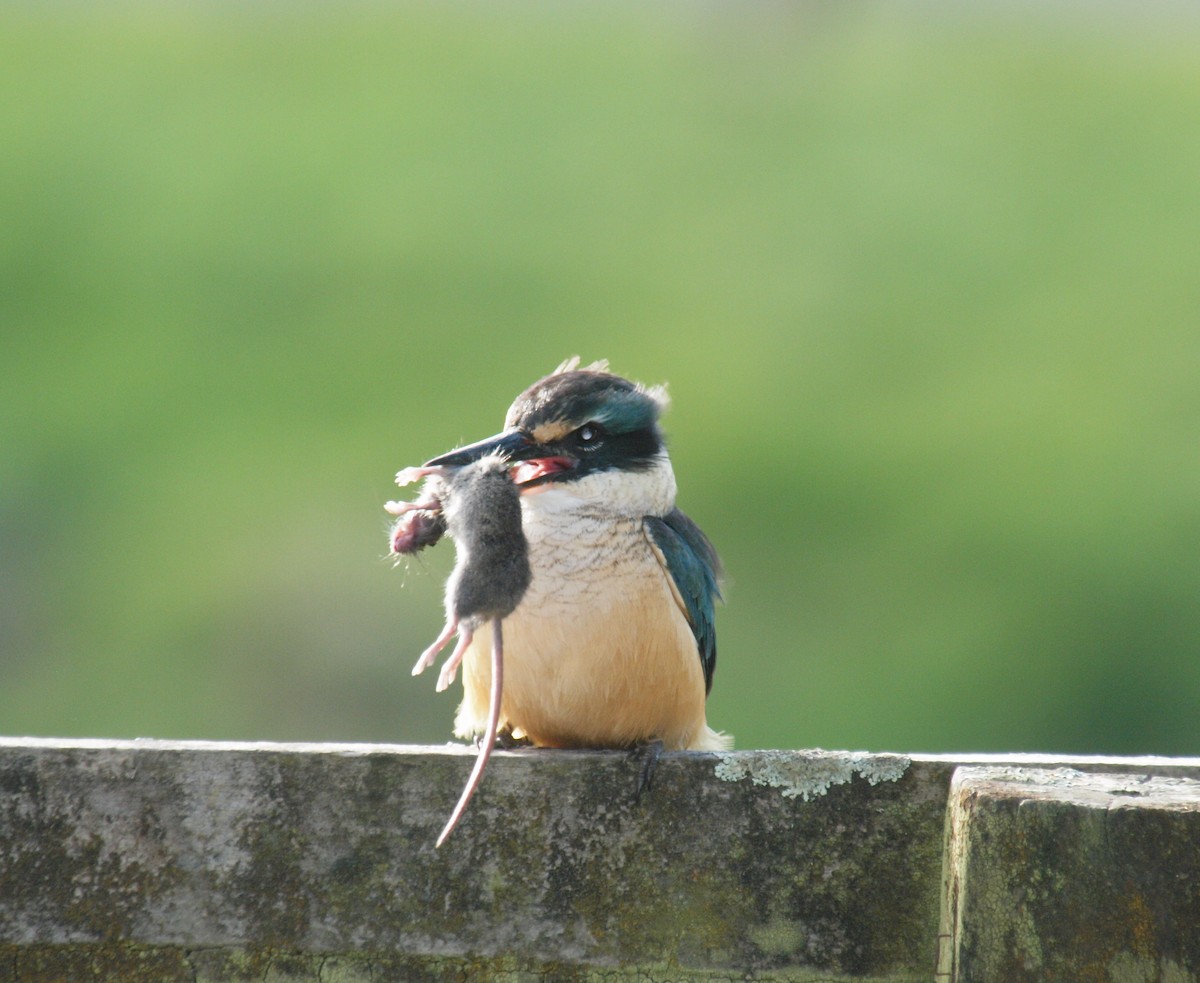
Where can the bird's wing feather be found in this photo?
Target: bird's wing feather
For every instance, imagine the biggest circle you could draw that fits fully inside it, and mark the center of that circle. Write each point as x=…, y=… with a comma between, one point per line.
x=693, y=565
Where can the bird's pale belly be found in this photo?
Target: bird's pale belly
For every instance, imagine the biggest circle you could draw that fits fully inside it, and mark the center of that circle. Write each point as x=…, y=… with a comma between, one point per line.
x=598, y=654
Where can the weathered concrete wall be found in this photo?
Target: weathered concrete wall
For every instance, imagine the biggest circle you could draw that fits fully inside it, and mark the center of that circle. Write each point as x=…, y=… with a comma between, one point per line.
x=1054, y=874
x=164, y=861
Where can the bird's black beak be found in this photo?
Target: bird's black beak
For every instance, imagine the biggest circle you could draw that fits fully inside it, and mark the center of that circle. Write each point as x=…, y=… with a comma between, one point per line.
x=512, y=445
x=533, y=464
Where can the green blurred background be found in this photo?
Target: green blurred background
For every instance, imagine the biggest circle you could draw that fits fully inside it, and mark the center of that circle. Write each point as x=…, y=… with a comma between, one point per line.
x=924, y=284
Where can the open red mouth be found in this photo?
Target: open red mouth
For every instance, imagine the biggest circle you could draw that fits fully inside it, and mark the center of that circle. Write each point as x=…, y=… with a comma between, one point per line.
x=526, y=472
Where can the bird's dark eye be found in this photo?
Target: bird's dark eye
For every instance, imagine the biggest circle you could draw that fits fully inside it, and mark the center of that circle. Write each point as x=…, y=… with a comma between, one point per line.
x=590, y=436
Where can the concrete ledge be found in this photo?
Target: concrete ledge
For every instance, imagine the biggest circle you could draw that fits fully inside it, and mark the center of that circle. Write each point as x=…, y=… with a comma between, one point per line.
x=150, y=860
x=1055, y=874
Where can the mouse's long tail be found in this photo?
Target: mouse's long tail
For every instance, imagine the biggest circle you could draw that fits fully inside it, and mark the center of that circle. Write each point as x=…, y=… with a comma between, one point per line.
x=489, y=737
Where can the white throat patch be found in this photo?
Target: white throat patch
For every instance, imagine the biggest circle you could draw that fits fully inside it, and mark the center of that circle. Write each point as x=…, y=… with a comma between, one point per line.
x=614, y=493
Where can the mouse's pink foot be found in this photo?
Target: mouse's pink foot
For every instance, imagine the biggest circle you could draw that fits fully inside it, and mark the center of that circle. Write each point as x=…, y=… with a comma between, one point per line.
x=407, y=476
x=450, y=666
x=429, y=656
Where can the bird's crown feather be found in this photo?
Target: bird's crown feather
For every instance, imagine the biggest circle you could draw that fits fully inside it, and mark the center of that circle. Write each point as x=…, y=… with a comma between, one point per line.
x=571, y=395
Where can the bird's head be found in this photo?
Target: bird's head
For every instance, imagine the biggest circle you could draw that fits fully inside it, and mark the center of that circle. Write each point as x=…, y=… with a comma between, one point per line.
x=588, y=434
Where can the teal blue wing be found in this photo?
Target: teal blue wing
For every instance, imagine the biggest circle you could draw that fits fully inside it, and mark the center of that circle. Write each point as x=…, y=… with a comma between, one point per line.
x=693, y=564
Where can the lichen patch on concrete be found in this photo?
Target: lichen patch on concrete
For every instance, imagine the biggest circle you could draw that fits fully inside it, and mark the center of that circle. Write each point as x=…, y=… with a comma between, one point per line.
x=809, y=774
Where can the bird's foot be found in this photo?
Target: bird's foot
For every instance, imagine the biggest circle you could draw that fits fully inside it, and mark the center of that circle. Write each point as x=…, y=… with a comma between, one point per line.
x=505, y=740
x=648, y=754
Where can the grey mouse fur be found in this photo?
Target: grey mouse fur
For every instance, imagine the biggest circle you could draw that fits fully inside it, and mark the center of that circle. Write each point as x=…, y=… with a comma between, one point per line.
x=483, y=517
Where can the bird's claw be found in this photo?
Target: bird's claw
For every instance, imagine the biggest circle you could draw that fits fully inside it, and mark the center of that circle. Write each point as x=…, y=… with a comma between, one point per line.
x=507, y=741
x=648, y=753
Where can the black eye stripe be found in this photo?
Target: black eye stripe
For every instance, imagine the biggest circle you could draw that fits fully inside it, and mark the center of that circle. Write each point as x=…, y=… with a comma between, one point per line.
x=635, y=450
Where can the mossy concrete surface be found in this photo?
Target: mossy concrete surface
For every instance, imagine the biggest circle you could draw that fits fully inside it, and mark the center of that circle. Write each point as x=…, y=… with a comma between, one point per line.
x=1055, y=874
x=205, y=862
x=318, y=862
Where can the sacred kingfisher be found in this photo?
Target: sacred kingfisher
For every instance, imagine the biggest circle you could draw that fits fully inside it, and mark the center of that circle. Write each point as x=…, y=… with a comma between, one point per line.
x=613, y=642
